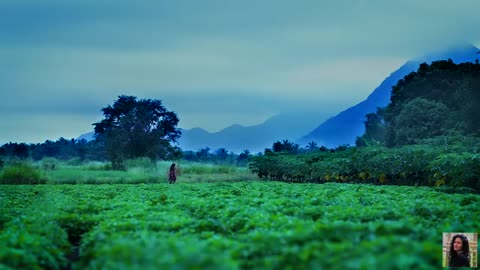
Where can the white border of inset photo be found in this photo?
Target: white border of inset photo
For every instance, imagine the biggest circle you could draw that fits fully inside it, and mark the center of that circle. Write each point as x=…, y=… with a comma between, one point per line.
x=473, y=247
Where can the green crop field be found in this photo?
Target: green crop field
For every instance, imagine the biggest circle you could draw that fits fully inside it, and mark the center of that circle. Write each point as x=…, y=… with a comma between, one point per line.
x=229, y=225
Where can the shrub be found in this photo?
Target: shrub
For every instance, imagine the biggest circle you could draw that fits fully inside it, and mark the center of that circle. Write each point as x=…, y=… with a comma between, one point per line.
x=49, y=163
x=33, y=241
x=142, y=162
x=206, y=169
x=21, y=174
x=76, y=161
x=457, y=169
x=451, y=161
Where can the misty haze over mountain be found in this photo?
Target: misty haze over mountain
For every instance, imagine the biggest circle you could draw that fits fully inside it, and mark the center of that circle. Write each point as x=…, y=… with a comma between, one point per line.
x=347, y=125
x=304, y=127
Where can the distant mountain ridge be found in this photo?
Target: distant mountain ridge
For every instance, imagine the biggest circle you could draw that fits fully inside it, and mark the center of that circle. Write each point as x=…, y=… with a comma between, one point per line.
x=87, y=136
x=340, y=129
x=344, y=128
x=255, y=138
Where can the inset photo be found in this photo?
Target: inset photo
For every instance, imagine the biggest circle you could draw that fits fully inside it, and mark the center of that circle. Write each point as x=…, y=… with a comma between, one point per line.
x=460, y=249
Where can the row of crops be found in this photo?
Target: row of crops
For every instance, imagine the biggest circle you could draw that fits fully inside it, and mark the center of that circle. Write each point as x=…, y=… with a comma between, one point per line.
x=250, y=225
x=427, y=164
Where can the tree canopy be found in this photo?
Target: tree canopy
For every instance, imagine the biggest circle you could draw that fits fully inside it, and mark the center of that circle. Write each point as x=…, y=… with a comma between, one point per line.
x=134, y=128
x=440, y=98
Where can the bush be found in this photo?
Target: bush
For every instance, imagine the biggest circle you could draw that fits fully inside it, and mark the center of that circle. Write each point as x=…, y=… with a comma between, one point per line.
x=76, y=161
x=451, y=161
x=49, y=164
x=33, y=241
x=143, y=163
x=457, y=170
x=21, y=174
x=207, y=169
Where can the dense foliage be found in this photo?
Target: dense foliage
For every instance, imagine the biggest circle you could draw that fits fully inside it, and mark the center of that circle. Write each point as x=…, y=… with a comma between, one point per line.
x=134, y=128
x=252, y=225
x=220, y=156
x=21, y=173
x=137, y=171
x=438, y=99
x=62, y=149
x=451, y=161
x=77, y=152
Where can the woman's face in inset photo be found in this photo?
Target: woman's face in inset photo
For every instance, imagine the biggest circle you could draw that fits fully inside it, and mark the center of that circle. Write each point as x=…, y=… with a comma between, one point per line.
x=457, y=245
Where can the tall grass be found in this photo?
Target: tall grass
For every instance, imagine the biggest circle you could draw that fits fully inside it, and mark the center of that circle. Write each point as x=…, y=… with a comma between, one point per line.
x=143, y=163
x=143, y=170
x=205, y=172
x=49, y=163
x=21, y=173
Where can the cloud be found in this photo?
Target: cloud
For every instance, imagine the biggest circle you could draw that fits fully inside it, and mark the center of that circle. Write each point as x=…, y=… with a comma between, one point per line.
x=126, y=25
x=37, y=128
x=184, y=72
x=201, y=57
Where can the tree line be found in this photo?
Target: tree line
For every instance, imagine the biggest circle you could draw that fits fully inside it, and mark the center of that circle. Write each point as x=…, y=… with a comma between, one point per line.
x=62, y=149
x=429, y=134
x=438, y=99
x=81, y=150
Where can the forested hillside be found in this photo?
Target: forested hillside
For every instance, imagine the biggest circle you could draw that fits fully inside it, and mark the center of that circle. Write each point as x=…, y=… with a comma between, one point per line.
x=438, y=99
x=427, y=135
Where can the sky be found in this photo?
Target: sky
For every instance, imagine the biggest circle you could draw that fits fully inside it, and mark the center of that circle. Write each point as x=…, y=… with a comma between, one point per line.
x=214, y=63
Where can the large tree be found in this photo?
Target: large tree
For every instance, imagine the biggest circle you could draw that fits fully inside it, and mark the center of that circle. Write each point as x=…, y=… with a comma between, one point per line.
x=374, y=129
x=134, y=128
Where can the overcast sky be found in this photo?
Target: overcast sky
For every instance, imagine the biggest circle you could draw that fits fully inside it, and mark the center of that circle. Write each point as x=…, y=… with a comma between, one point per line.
x=214, y=63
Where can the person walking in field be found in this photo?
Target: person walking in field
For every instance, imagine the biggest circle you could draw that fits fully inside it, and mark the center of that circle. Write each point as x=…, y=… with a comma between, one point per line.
x=171, y=174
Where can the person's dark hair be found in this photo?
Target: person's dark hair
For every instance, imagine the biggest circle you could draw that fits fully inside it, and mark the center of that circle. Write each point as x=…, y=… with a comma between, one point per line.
x=172, y=166
x=465, y=247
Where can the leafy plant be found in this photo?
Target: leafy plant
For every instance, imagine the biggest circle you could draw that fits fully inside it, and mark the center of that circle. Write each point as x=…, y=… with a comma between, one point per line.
x=21, y=174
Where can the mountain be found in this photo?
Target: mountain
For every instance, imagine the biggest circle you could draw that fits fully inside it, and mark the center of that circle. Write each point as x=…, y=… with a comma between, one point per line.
x=87, y=136
x=346, y=126
x=255, y=138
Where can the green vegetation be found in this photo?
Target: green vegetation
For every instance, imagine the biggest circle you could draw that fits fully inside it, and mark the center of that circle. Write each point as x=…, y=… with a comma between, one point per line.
x=242, y=225
x=427, y=136
x=439, y=99
x=451, y=161
x=20, y=173
x=137, y=171
x=133, y=129
x=431, y=129
x=76, y=153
